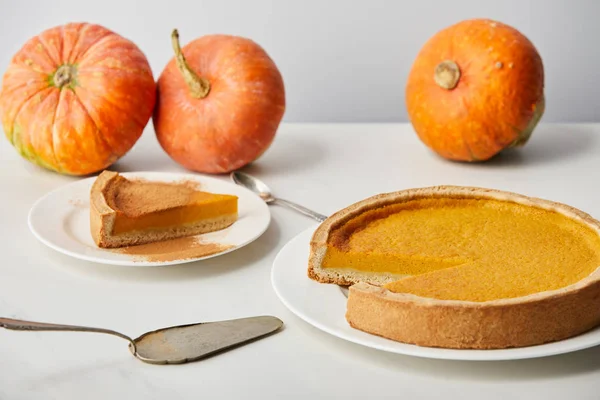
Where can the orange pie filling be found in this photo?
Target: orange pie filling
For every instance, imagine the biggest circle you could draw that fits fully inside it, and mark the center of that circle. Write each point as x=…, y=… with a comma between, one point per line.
x=216, y=207
x=156, y=205
x=467, y=249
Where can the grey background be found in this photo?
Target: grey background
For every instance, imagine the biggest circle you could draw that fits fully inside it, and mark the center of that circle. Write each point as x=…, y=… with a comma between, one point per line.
x=342, y=61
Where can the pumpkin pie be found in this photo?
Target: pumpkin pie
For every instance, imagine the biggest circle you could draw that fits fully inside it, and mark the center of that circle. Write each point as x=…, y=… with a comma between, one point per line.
x=125, y=212
x=461, y=267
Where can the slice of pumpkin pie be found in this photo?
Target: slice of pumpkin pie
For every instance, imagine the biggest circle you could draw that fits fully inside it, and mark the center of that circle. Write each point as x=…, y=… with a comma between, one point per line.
x=126, y=212
x=461, y=267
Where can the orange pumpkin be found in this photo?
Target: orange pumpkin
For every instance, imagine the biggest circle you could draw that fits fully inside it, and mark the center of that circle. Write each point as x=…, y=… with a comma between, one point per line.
x=475, y=88
x=220, y=102
x=76, y=98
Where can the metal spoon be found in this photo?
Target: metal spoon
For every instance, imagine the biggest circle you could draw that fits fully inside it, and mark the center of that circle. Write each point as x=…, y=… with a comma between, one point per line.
x=176, y=344
x=258, y=187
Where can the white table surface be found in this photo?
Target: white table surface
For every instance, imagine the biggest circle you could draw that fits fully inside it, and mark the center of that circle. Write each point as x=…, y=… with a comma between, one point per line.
x=324, y=167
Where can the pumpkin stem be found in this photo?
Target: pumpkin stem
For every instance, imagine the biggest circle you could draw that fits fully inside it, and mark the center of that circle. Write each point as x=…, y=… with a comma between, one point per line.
x=199, y=87
x=64, y=76
x=447, y=74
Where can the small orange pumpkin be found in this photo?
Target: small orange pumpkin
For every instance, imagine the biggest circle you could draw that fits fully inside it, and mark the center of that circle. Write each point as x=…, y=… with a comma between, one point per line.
x=475, y=89
x=220, y=102
x=76, y=98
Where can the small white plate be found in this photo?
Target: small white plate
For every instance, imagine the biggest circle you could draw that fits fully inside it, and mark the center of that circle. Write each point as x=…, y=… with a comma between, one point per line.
x=60, y=220
x=324, y=307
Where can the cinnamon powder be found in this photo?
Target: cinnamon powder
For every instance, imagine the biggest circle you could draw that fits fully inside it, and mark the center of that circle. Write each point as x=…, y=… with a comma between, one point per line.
x=137, y=196
x=173, y=250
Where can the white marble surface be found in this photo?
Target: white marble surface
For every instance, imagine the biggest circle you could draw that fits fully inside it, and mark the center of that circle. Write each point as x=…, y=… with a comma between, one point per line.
x=324, y=167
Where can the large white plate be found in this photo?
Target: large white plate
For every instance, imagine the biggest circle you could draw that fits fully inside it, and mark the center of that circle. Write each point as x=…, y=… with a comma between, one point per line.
x=60, y=219
x=324, y=306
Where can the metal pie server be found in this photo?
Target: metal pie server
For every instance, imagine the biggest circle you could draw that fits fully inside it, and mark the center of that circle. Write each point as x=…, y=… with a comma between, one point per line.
x=176, y=344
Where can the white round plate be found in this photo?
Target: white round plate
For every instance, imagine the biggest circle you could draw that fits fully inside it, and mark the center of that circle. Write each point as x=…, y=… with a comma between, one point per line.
x=324, y=307
x=60, y=220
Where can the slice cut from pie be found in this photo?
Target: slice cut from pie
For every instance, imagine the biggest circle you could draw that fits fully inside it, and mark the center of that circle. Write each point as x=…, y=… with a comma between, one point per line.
x=125, y=212
x=463, y=267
